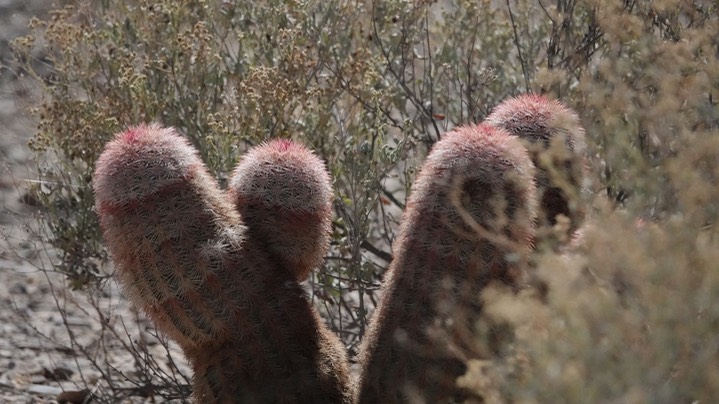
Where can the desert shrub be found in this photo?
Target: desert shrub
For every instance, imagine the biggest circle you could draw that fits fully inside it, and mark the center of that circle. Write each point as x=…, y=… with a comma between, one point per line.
x=626, y=316
x=370, y=86
x=357, y=82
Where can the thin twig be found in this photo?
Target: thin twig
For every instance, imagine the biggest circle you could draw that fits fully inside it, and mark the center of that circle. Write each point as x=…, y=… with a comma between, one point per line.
x=519, y=48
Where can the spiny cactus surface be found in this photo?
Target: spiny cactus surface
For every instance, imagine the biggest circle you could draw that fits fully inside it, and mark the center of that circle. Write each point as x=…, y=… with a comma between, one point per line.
x=183, y=255
x=555, y=137
x=468, y=222
x=284, y=195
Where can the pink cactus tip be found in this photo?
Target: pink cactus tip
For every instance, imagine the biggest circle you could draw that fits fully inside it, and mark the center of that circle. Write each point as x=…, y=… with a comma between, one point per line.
x=284, y=194
x=555, y=138
x=147, y=152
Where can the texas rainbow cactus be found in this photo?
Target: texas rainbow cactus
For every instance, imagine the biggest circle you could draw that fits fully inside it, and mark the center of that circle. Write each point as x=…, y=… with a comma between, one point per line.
x=554, y=136
x=219, y=272
x=184, y=255
x=284, y=195
x=469, y=221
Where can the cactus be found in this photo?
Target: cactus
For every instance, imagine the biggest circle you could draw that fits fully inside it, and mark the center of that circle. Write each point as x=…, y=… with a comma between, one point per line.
x=555, y=138
x=469, y=221
x=283, y=193
x=183, y=254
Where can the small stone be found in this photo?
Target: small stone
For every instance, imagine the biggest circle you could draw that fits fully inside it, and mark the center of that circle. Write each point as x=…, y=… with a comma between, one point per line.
x=18, y=288
x=58, y=374
x=43, y=390
x=73, y=397
x=37, y=379
x=77, y=321
x=6, y=382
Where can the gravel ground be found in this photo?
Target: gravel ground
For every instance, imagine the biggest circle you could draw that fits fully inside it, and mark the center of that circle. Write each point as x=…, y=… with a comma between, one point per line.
x=52, y=339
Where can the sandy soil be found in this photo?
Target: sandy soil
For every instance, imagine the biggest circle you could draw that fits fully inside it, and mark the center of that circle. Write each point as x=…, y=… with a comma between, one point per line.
x=52, y=339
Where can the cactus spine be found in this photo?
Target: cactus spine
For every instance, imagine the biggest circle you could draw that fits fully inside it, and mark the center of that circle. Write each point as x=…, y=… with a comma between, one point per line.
x=283, y=193
x=183, y=254
x=469, y=217
x=555, y=138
